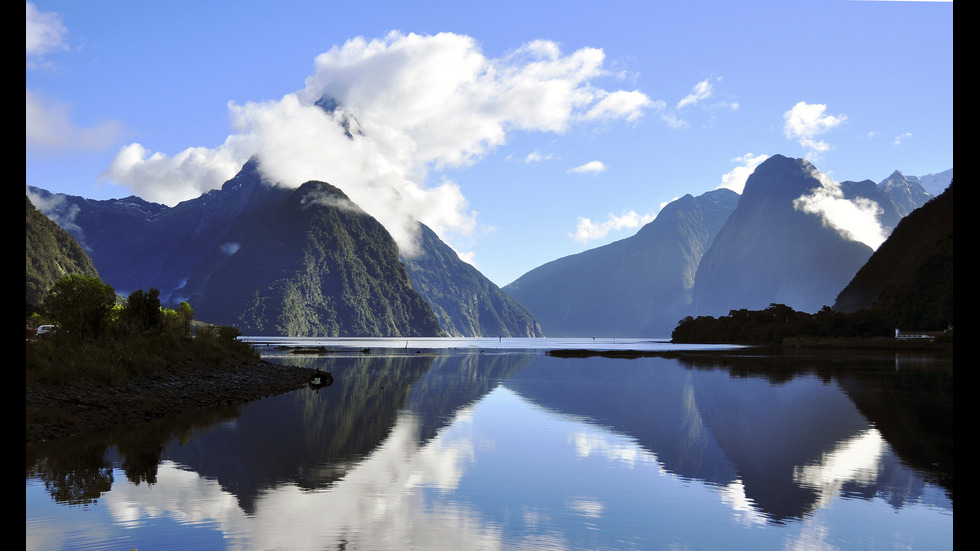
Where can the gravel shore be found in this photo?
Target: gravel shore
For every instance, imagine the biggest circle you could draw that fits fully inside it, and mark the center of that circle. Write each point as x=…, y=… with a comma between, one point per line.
x=56, y=411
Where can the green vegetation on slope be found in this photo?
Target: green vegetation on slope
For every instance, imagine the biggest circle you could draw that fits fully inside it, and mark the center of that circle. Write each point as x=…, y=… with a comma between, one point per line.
x=51, y=254
x=316, y=265
x=466, y=303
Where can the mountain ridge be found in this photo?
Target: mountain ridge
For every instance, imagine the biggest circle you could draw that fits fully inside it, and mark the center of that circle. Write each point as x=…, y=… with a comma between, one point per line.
x=914, y=264
x=636, y=286
x=179, y=250
x=769, y=251
x=52, y=253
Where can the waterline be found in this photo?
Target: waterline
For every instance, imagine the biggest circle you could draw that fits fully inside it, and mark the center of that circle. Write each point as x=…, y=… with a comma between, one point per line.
x=478, y=344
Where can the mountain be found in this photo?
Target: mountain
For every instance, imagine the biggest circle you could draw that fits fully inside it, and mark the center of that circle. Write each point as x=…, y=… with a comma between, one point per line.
x=273, y=260
x=464, y=300
x=138, y=245
x=265, y=259
x=770, y=252
x=906, y=192
x=638, y=286
x=890, y=212
x=909, y=279
x=934, y=184
x=314, y=264
x=52, y=253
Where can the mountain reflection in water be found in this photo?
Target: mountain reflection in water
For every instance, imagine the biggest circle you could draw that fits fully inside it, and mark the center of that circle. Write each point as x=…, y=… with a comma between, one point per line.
x=516, y=450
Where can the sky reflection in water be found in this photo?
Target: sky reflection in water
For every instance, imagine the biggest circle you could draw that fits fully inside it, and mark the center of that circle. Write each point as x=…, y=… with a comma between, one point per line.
x=488, y=452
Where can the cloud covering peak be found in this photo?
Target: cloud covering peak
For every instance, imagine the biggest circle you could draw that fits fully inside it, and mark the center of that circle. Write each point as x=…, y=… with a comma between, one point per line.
x=422, y=102
x=854, y=219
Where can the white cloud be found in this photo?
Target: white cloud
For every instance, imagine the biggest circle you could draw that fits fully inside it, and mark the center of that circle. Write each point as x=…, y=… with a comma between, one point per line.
x=856, y=220
x=673, y=121
x=900, y=138
x=735, y=180
x=169, y=180
x=701, y=90
x=586, y=230
x=536, y=157
x=49, y=127
x=48, y=122
x=621, y=104
x=805, y=121
x=45, y=33
x=591, y=167
x=467, y=257
x=56, y=208
x=699, y=93
x=422, y=103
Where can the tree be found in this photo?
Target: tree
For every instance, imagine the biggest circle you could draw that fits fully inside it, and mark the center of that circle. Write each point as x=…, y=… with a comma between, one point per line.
x=80, y=305
x=185, y=313
x=142, y=310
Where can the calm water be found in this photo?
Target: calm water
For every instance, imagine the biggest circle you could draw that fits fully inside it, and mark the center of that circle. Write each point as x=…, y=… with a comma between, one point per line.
x=499, y=446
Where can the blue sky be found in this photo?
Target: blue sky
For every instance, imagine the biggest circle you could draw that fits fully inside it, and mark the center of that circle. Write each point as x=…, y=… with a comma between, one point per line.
x=520, y=131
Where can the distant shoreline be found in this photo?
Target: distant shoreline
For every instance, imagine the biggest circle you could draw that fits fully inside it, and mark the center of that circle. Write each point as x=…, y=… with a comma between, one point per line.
x=877, y=343
x=794, y=343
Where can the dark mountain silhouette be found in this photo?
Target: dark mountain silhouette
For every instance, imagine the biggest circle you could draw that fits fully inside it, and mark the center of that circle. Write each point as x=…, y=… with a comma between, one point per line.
x=274, y=260
x=639, y=286
x=909, y=279
x=52, y=253
x=934, y=184
x=770, y=252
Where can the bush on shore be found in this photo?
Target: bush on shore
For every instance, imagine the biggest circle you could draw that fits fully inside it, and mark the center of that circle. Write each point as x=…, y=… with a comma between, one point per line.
x=102, y=341
x=779, y=323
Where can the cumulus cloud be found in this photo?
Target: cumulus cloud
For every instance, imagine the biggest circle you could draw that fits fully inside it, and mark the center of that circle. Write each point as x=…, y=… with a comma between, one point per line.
x=169, y=180
x=857, y=220
x=586, y=230
x=735, y=180
x=805, y=121
x=591, y=167
x=422, y=102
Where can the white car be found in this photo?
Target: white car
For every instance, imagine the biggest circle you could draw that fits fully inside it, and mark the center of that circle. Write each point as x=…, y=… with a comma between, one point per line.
x=46, y=329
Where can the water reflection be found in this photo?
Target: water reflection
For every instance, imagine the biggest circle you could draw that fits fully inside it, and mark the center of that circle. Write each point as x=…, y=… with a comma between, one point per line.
x=484, y=451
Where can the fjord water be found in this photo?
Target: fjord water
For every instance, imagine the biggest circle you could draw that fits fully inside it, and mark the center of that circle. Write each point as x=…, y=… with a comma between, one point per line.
x=498, y=447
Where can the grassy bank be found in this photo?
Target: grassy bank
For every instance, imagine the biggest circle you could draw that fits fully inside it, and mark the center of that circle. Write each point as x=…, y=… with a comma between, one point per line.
x=59, y=358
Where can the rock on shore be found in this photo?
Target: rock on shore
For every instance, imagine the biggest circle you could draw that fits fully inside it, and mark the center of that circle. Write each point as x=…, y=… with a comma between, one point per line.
x=56, y=411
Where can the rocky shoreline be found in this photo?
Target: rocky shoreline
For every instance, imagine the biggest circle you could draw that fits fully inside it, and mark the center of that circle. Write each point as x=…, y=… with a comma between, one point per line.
x=57, y=411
